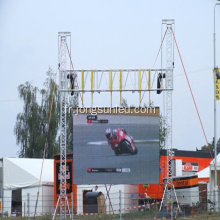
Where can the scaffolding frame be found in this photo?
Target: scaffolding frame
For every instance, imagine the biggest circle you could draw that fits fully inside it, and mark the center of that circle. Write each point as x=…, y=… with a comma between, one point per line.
x=63, y=38
x=169, y=188
x=117, y=80
x=121, y=80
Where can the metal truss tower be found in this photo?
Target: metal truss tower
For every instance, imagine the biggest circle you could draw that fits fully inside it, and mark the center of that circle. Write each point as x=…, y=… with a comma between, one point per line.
x=169, y=84
x=169, y=190
x=63, y=37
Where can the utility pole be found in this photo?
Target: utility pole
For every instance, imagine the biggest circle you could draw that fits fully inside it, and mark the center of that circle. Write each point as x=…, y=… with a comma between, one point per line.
x=215, y=128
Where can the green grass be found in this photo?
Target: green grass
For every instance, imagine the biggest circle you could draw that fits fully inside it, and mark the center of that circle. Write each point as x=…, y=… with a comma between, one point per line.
x=133, y=215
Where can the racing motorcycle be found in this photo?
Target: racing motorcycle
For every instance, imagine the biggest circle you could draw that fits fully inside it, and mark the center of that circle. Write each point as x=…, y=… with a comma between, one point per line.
x=122, y=143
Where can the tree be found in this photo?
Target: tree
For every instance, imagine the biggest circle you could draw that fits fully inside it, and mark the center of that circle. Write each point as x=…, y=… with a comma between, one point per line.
x=32, y=124
x=52, y=112
x=210, y=146
x=24, y=128
x=207, y=147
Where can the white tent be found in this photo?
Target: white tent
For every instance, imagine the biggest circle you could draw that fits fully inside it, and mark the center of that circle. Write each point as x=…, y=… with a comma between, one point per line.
x=212, y=171
x=209, y=172
x=21, y=182
x=218, y=160
x=205, y=173
x=26, y=172
x=212, y=179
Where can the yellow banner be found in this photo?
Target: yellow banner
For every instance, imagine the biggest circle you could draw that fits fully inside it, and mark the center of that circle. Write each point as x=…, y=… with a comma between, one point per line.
x=217, y=94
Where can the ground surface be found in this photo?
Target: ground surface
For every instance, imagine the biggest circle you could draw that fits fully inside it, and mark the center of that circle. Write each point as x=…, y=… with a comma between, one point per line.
x=132, y=216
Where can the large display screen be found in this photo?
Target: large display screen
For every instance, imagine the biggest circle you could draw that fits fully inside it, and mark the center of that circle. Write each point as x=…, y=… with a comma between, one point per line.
x=116, y=146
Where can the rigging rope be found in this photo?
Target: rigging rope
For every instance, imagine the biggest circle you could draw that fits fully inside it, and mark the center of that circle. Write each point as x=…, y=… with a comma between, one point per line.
x=74, y=73
x=190, y=88
x=51, y=107
x=194, y=102
x=155, y=62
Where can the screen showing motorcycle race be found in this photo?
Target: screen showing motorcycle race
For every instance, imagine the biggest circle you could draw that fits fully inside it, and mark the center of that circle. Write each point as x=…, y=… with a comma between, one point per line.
x=116, y=146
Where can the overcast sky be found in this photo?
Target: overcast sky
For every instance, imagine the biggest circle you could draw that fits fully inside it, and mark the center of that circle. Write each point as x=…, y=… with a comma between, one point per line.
x=110, y=35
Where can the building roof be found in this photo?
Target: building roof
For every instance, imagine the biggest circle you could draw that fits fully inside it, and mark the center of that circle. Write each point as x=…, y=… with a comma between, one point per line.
x=187, y=153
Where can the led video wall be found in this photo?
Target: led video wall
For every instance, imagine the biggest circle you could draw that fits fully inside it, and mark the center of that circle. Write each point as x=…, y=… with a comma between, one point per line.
x=116, y=146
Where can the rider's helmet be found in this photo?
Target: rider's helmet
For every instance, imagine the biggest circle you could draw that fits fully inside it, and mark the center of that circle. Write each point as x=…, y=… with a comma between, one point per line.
x=108, y=133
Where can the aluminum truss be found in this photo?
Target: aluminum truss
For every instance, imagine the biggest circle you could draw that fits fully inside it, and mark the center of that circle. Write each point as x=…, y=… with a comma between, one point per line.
x=63, y=37
x=169, y=84
x=118, y=80
x=169, y=189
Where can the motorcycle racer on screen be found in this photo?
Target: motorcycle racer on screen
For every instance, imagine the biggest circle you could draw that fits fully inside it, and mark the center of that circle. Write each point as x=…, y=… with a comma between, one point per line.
x=120, y=141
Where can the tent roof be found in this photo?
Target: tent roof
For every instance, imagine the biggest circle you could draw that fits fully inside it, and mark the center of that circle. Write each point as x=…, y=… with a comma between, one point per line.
x=204, y=172
x=218, y=159
x=24, y=172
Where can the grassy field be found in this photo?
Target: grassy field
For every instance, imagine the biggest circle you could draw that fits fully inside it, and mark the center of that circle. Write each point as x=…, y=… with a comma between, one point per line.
x=130, y=216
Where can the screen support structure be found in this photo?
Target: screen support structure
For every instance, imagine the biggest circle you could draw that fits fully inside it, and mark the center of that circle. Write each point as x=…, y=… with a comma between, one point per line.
x=108, y=197
x=63, y=39
x=169, y=188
